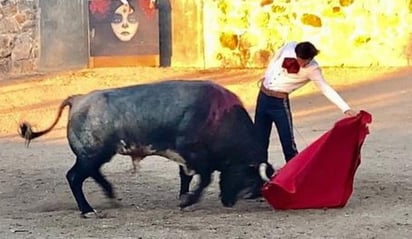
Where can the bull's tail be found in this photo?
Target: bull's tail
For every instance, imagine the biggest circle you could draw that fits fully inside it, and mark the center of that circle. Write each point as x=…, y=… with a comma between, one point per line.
x=27, y=132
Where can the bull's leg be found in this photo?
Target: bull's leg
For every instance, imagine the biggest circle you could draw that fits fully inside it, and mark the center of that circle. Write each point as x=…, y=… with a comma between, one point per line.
x=194, y=196
x=195, y=158
x=136, y=164
x=185, y=181
x=230, y=185
x=106, y=185
x=76, y=176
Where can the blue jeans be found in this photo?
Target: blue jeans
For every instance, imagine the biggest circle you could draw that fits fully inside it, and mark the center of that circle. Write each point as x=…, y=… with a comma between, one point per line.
x=271, y=110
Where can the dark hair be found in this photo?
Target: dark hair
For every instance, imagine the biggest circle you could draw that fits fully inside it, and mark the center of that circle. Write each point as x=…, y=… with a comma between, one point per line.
x=103, y=10
x=306, y=50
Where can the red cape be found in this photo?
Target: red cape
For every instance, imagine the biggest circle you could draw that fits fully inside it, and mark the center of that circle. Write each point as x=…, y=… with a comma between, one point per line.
x=322, y=174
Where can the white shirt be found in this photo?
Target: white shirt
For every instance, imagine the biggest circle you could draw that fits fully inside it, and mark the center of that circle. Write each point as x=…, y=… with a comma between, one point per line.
x=278, y=79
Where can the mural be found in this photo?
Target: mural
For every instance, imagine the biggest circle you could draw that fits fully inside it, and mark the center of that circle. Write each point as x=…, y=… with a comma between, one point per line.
x=123, y=27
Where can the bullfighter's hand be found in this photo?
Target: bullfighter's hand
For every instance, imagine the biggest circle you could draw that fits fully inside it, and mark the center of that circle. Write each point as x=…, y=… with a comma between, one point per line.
x=351, y=112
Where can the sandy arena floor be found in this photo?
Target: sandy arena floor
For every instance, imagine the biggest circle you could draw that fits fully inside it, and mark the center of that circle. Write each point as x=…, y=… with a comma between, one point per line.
x=36, y=202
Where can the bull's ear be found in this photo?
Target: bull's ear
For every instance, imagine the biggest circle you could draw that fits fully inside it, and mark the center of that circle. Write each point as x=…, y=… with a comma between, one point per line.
x=253, y=165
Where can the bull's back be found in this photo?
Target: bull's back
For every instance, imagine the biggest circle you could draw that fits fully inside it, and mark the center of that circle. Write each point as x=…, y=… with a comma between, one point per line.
x=149, y=112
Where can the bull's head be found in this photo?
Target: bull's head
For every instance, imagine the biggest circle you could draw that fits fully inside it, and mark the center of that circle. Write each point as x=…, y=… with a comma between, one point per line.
x=265, y=171
x=243, y=181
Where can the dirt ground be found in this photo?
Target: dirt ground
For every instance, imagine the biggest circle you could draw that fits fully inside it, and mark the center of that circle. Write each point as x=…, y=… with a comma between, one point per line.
x=36, y=202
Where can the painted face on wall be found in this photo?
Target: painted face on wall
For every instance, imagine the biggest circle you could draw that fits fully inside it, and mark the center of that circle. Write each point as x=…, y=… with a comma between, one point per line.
x=124, y=23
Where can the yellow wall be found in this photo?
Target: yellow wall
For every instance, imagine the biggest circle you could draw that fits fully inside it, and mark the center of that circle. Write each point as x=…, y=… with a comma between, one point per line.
x=187, y=33
x=245, y=33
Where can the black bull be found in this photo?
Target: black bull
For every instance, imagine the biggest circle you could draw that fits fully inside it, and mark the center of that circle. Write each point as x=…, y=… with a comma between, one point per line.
x=200, y=125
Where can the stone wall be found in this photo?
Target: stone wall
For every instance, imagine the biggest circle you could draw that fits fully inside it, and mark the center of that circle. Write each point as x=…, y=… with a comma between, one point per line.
x=18, y=35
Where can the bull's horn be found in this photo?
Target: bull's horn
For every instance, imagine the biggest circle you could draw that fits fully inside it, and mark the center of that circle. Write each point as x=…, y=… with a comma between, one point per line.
x=262, y=172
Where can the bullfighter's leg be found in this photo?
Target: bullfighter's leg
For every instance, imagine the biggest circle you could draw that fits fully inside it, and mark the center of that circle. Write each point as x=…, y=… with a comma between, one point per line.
x=76, y=176
x=185, y=181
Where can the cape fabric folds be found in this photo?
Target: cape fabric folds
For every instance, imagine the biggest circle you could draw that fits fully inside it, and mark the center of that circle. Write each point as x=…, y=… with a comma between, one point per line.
x=321, y=175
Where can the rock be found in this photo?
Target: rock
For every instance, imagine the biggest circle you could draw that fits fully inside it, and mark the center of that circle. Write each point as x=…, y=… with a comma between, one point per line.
x=22, y=48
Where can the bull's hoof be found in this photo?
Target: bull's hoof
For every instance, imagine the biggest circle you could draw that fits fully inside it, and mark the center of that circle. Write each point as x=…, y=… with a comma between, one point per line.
x=188, y=200
x=115, y=202
x=254, y=195
x=228, y=203
x=93, y=215
x=88, y=215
